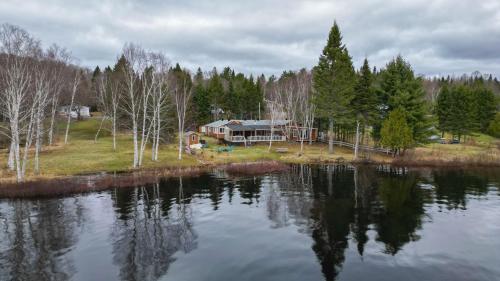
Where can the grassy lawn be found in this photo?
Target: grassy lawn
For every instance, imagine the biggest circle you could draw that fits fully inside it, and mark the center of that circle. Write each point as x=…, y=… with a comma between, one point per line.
x=316, y=152
x=82, y=155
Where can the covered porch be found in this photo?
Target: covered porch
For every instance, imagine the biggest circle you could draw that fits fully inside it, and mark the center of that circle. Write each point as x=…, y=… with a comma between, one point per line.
x=251, y=134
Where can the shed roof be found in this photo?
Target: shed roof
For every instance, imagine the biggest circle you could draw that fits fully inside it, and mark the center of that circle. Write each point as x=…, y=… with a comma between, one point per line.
x=190, y=133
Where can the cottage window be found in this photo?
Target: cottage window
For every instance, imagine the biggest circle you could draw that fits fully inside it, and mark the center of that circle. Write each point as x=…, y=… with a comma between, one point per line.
x=193, y=137
x=221, y=130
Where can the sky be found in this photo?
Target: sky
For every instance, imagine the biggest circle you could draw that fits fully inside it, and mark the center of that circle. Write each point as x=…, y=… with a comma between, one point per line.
x=440, y=37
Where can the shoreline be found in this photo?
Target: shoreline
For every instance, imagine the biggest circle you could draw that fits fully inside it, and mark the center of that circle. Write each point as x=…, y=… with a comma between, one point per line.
x=73, y=184
x=43, y=187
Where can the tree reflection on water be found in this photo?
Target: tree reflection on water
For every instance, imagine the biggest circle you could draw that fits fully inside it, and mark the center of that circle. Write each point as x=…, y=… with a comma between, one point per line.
x=145, y=237
x=148, y=227
x=35, y=236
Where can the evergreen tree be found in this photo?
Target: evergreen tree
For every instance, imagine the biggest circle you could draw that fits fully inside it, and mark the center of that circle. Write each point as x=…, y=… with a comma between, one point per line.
x=443, y=109
x=96, y=73
x=120, y=64
x=484, y=106
x=466, y=112
x=216, y=92
x=399, y=88
x=333, y=80
x=201, y=100
x=365, y=102
x=396, y=132
x=494, y=127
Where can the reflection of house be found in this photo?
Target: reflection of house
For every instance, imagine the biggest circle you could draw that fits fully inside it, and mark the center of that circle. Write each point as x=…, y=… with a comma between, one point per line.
x=75, y=112
x=250, y=131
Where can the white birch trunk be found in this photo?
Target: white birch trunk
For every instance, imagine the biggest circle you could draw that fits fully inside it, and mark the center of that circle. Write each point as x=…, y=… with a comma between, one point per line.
x=271, y=140
x=181, y=136
x=52, y=119
x=113, y=131
x=153, y=143
x=302, y=136
x=27, y=145
x=38, y=139
x=115, y=100
x=330, y=136
x=356, y=146
x=157, y=142
x=73, y=93
x=10, y=161
x=136, y=144
x=99, y=130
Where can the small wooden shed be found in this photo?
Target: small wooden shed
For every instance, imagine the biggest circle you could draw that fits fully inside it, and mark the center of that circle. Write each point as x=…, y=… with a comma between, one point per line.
x=192, y=138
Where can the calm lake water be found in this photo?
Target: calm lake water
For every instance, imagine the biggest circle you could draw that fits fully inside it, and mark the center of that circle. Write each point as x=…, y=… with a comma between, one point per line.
x=310, y=223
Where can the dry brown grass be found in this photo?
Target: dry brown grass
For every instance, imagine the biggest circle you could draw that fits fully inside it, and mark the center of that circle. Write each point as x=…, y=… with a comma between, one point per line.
x=474, y=152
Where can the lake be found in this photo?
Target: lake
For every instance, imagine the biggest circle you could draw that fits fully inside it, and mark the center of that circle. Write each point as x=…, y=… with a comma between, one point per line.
x=313, y=222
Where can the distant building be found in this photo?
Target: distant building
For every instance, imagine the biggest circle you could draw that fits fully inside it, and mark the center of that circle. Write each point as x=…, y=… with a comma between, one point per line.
x=75, y=112
x=192, y=138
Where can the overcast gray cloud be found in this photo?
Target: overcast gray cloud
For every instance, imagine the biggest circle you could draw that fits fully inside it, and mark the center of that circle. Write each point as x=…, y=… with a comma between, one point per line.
x=438, y=37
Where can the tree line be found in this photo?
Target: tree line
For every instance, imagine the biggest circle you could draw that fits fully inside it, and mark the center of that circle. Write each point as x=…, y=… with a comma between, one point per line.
x=465, y=108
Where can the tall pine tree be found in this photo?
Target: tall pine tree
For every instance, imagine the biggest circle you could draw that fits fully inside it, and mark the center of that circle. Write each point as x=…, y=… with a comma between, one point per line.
x=443, y=109
x=333, y=82
x=201, y=100
x=365, y=102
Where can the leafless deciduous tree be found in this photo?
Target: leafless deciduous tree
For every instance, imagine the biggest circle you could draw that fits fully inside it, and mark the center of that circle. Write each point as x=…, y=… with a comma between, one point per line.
x=108, y=90
x=59, y=58
x=290, y=99
x=74, y=88
x=30, y=83
x=131, y=99
x=18, y=49
x=275, y=112
x=182, y=91
x=160, y=97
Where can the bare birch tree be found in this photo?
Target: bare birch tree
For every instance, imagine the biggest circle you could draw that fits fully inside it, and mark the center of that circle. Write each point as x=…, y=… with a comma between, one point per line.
x=17, y=48
x=108, y=100
x=160, y=97
x=275, y=112
x=42, y=88
x=182, y=95
x=134, y=57
x=306, y=107
x=76, y=82
x=60, y=58
x=147, y=85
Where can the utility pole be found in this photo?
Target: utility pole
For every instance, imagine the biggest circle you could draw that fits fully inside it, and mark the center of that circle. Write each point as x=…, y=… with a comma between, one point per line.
x=259, y=110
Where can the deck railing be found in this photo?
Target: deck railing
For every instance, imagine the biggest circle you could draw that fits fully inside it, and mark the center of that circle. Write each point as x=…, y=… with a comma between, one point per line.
x=267, y=138
x=255, y=138
x=237, y=138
